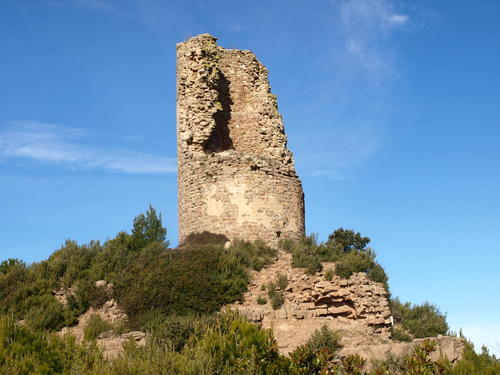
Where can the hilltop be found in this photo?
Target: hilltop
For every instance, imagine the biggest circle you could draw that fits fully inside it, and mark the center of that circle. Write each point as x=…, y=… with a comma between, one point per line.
x=139, y=307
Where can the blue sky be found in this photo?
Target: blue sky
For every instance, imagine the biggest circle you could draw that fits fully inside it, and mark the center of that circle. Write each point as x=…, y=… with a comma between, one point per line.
x=391, y=109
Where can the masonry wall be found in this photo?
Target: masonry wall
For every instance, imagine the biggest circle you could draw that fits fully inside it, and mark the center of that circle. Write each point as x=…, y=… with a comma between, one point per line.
x=235, y=174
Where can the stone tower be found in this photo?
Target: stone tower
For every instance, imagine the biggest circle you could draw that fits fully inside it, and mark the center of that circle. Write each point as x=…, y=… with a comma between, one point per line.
x=235, y=174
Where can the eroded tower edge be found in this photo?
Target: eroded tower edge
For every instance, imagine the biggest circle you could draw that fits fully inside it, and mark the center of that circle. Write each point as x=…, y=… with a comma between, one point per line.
x=235, y=174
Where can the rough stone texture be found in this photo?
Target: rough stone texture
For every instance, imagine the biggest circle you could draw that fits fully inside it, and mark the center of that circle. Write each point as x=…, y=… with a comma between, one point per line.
x=447, y=346
x=62, y=295
x=235, y=174
x=110, y=342
x=356, y=307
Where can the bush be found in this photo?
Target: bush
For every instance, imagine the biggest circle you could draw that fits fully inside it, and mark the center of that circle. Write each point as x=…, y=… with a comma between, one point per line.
x=204, y=238
x=275, y=291
x=399, y=334
x=97, y=296
x=277, y=299
x=347, y=240
x=27, y=352
x=325, y=338
x=237, y=346
x=95, y=326
x=255, y=255
x=282, y=281
x=173, y=330
x=311, y=263
x=353, y=364
x=148, y=229
x=261, y=300
x=187, y=281
x=179, y=282
x=45, y=313
x=304, y=253
x=307, y=361
x=329, y=274
x=473, y=363
x=344, y=246
x=419, y=321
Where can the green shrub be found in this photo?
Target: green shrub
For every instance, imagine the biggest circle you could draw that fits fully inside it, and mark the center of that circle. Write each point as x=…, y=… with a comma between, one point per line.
x=347, y=240
x=399, y=334
x=204, y=238
x=174, y=330
x=239, y=347
x=353, y=364
x=255, y=255
x=97, y=296
x=277, y=299
x=353, y=262
x=419, y=362
x=419, y=321
x=329, y=274
x=148, y=229
x=325, y=338
x=307, y=361
x=185, y=281
x=310, y=262
x=261, y=300
x=473, y=363
x=282, y=281
x=27, y=352
x=276, y=295
x=95, y=326
x=344, y=246
x=45, y=312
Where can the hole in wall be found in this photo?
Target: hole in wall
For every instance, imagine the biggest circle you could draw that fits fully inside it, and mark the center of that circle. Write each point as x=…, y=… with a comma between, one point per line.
x=220, y=139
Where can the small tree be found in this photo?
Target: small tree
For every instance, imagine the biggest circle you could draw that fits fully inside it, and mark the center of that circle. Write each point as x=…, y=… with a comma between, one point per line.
x=148, y=229
x=348, y=240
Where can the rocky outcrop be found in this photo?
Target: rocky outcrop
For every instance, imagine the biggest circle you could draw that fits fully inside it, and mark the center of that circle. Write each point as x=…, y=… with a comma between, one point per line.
x=448, y=347
x=110, y=312
x=356, y=307
x=112, y=344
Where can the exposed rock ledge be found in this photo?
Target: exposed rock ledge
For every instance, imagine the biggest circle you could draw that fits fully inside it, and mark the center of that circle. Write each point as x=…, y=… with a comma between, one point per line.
x=110, y=342
x=357, y=308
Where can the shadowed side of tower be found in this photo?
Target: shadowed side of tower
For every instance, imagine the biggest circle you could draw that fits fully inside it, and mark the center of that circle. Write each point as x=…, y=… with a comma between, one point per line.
x=235, y=174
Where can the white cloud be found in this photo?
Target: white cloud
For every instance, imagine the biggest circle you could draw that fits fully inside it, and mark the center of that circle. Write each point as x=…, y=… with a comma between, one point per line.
x=56, y=144
x=366, y=26
x=354, y=103
x=398, y=19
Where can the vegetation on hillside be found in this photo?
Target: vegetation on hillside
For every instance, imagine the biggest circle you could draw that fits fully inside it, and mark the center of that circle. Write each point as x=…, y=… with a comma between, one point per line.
x=220, y=344
x=347, y=248
x=417, y=321
x=147, y=276
x=174, y=295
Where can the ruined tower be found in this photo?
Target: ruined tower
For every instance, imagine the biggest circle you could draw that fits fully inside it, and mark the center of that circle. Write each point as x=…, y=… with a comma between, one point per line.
x=235, y=174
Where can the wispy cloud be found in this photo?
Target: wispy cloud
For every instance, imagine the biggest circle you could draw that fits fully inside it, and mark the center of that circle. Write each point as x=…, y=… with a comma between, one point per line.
x=366, y=28
x=352, y=105
x=56, y=144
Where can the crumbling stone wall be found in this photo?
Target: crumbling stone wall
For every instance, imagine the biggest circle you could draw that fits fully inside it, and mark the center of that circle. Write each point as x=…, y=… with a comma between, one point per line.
x=235, y=174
